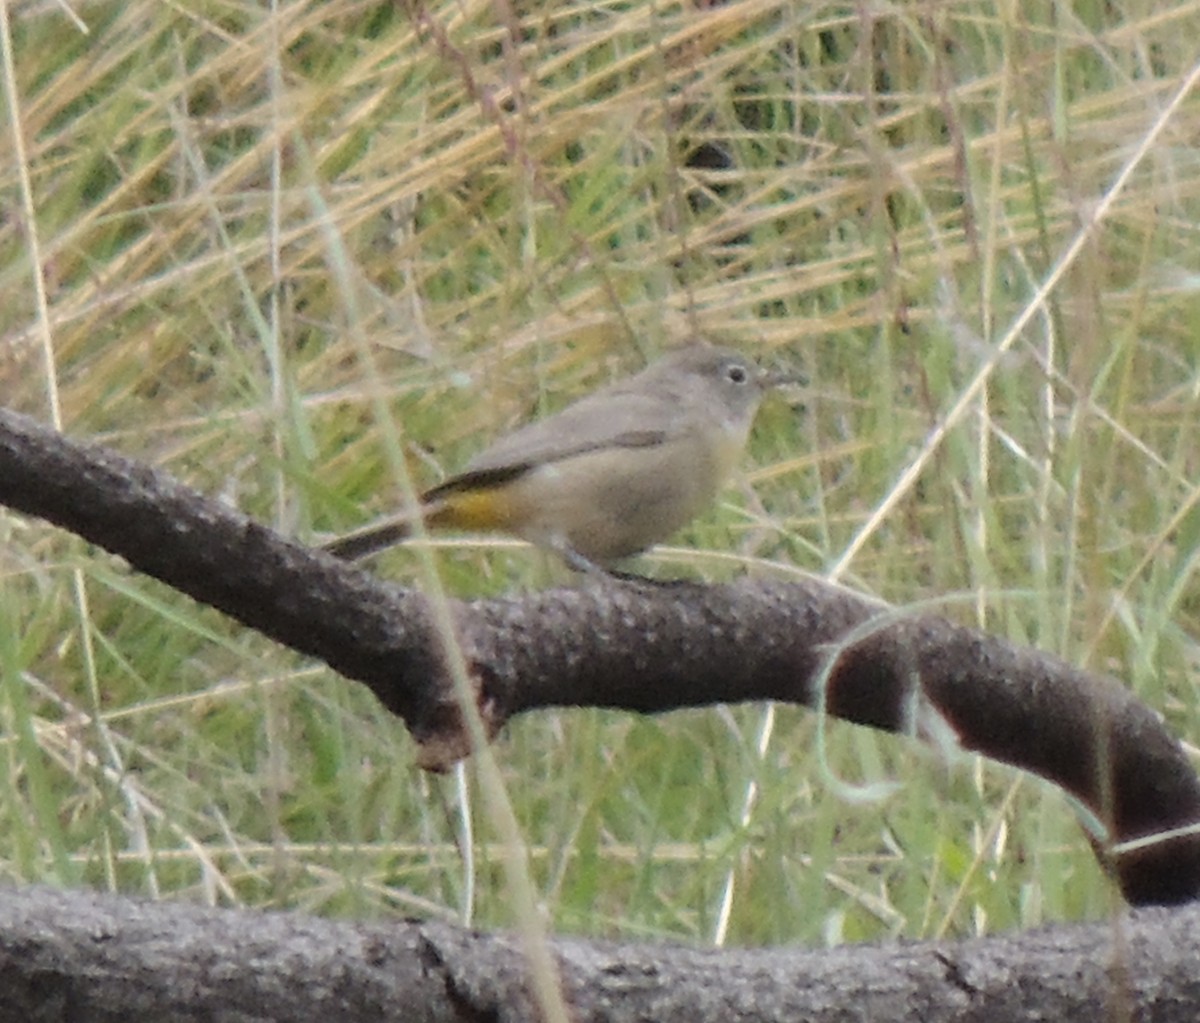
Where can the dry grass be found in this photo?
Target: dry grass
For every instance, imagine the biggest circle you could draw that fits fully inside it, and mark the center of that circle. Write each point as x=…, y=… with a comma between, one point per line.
x=266, y=242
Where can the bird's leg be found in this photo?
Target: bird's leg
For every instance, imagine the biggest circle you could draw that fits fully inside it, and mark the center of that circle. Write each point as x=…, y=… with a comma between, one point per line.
x=600, y=573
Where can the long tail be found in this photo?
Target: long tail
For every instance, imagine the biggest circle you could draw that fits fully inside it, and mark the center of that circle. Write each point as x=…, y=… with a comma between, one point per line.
x=370, y=540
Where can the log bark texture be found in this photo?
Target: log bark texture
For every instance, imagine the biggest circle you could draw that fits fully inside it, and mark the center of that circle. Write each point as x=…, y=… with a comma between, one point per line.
x=83, y=956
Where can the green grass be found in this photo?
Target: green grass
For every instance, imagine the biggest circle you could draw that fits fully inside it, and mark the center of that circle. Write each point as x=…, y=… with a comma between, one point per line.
x=254, y=279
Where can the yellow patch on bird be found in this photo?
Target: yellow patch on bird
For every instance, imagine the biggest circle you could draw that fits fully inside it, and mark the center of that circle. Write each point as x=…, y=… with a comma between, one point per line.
x=485, y=509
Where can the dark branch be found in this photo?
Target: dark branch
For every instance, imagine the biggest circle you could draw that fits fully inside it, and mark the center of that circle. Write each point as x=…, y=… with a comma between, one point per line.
x=641, y=647
x=101, y=958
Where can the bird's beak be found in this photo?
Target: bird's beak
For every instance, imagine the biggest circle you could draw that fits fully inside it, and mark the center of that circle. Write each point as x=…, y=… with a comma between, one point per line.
x=780, y=378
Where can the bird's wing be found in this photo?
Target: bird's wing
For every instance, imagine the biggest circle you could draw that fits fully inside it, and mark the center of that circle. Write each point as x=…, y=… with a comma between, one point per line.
x=614, y=418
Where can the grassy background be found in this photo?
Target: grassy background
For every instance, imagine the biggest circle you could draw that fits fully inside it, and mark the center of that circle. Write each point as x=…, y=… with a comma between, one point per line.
x=292, y=255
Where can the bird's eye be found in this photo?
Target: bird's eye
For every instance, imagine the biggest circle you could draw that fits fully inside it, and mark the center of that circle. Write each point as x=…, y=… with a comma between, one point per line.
x=737, y=374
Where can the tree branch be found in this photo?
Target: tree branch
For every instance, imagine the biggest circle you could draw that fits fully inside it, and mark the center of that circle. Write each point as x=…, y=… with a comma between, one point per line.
x=642, y=647
x=82, y=955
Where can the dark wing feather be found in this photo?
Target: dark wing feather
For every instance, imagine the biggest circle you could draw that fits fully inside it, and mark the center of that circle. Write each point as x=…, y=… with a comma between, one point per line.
x=482, y=479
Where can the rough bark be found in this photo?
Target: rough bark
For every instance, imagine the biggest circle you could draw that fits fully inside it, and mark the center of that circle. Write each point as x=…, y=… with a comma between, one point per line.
x=85, y=956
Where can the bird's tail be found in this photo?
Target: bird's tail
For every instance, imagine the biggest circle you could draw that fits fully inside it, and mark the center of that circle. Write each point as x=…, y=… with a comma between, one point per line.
x=365, y=542
x=475, y=503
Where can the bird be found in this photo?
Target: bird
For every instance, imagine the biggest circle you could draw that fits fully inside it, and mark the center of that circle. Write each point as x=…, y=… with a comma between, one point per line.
x=608, y=476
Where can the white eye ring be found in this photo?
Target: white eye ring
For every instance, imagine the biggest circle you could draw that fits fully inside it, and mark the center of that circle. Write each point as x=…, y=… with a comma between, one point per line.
x=737, y=374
